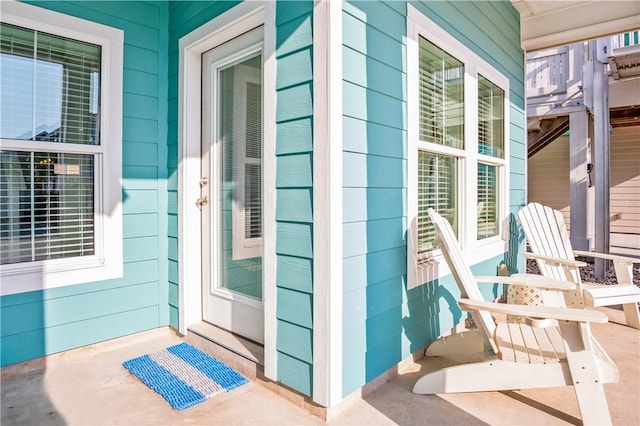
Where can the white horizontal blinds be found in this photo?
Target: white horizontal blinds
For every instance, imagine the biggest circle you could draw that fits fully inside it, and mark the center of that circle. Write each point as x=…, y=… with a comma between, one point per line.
x=50, y=93
x=487, y=201
x=441, y=82
x=490, y=118
x=441, y=109
x=437, y=189
x=46, y=206
x=252, y=162
x=52, y=84
x=490, y=143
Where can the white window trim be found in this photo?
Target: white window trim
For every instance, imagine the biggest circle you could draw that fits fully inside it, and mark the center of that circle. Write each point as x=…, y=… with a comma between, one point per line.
x=108, y=258
x=422, y=269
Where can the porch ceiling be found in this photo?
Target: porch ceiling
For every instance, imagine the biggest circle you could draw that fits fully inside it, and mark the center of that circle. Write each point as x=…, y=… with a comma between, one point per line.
x=545, y=24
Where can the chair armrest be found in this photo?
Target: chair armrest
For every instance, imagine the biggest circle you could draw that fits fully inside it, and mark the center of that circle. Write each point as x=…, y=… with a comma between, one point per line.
x=614, y=257
x=564, y=314
x=555, y=261
x=530, y=280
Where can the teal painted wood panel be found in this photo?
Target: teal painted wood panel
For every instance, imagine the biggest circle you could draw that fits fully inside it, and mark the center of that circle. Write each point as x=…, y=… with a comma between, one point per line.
x=173, y=272
x=295, y=136
x=294, y=273
x=379, y=16
x=288, y=11
x=19, y=347
x=139, y=201
x=372, y=204
x=54, y=312
x=371, y=138
x=294, y=205
x=373, y=42
x=295, y=373
x=294, y=171
x=294, y=239
x=364, y=71
x=140, y=154
x=359, y=102
x=139, y=130
x=368, y=269
x=140, y=248
x=140, y=106
x=140, y=225
x=295, y=307
x=372, y=236
x=372, y=171
x=174, y=317
x=298, y=66
x=295, y=341
x=173, y=248
x=139, y=177
x=141, y=83
x=294, y=102
x=294, y=35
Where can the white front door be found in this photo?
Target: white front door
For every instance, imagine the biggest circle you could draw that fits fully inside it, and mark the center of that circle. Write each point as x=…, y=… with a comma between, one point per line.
x=231, y=195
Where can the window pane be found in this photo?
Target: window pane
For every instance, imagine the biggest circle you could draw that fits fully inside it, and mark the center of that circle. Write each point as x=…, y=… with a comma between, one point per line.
x=437, y=188
x=50, y=87
x=46, y=206
x=441, y=96
x=487, y=201
x=490, y=118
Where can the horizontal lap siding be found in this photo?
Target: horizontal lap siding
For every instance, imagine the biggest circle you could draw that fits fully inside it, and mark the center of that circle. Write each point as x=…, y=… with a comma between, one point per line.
x=294, y=193
x=44, y=322
x=383, y=323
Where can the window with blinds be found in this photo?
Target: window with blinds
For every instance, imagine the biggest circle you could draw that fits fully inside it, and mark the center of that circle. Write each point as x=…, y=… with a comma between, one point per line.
x=490, y=144
x=241, y=115
x=441, y=109
x=457, y=158
x=50, y=103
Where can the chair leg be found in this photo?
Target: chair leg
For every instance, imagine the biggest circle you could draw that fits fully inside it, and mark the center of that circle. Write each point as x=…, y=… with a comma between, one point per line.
x=631, y=314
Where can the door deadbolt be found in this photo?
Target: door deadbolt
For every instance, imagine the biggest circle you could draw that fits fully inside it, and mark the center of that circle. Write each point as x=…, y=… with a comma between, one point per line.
x=203, y=181
x=202, y=201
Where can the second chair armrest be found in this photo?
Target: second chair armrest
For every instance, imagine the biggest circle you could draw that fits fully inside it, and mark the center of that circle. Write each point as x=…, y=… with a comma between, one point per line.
x=530, y=280
x=607, y=256
x=565, y=314
x=554, y=260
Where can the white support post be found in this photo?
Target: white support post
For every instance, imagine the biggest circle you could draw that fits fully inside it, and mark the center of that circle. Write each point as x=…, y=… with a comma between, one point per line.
x=578, y=177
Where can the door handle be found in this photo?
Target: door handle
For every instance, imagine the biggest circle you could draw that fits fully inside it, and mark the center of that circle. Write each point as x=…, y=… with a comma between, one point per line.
x=202, y=201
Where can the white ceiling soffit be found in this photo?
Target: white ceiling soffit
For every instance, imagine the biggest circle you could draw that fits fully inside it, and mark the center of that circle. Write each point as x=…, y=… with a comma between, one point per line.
x=549, y=23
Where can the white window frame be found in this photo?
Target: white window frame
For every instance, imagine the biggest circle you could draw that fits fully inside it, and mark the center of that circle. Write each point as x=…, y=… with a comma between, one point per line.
x=106, y=263
x=426, y=267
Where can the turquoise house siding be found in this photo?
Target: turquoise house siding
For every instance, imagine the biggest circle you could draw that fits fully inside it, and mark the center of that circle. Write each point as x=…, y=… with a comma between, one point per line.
x=44, y=322
x=294, y=193
x=383, y=322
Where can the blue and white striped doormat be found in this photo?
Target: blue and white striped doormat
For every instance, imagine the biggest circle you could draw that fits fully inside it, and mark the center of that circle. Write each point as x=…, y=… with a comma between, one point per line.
x=183, y=375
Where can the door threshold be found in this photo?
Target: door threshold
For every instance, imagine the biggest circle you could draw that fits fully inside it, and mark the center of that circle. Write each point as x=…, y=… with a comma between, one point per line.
x=236, y=344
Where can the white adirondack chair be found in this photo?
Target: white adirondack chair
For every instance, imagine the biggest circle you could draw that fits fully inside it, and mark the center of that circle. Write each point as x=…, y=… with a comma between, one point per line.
x=553, y=348
x=551, y=248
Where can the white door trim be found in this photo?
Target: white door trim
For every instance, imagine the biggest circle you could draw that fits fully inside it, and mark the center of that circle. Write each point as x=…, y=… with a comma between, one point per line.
x=235, y=21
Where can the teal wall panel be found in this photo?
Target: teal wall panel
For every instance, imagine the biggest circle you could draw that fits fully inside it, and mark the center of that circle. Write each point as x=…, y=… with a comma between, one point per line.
x=44, y=322
x=294, y=203
x=382, y=321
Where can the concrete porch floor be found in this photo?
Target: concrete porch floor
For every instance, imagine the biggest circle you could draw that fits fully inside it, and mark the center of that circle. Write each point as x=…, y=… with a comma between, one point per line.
x=89, y=386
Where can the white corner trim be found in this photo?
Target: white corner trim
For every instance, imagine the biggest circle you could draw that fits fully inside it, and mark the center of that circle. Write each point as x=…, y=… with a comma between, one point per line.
x=327, y=200
x=235, y=21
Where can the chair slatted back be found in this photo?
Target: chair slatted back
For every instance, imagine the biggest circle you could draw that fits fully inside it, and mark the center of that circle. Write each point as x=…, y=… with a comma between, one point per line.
x=547, y=235
x=468, y=286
